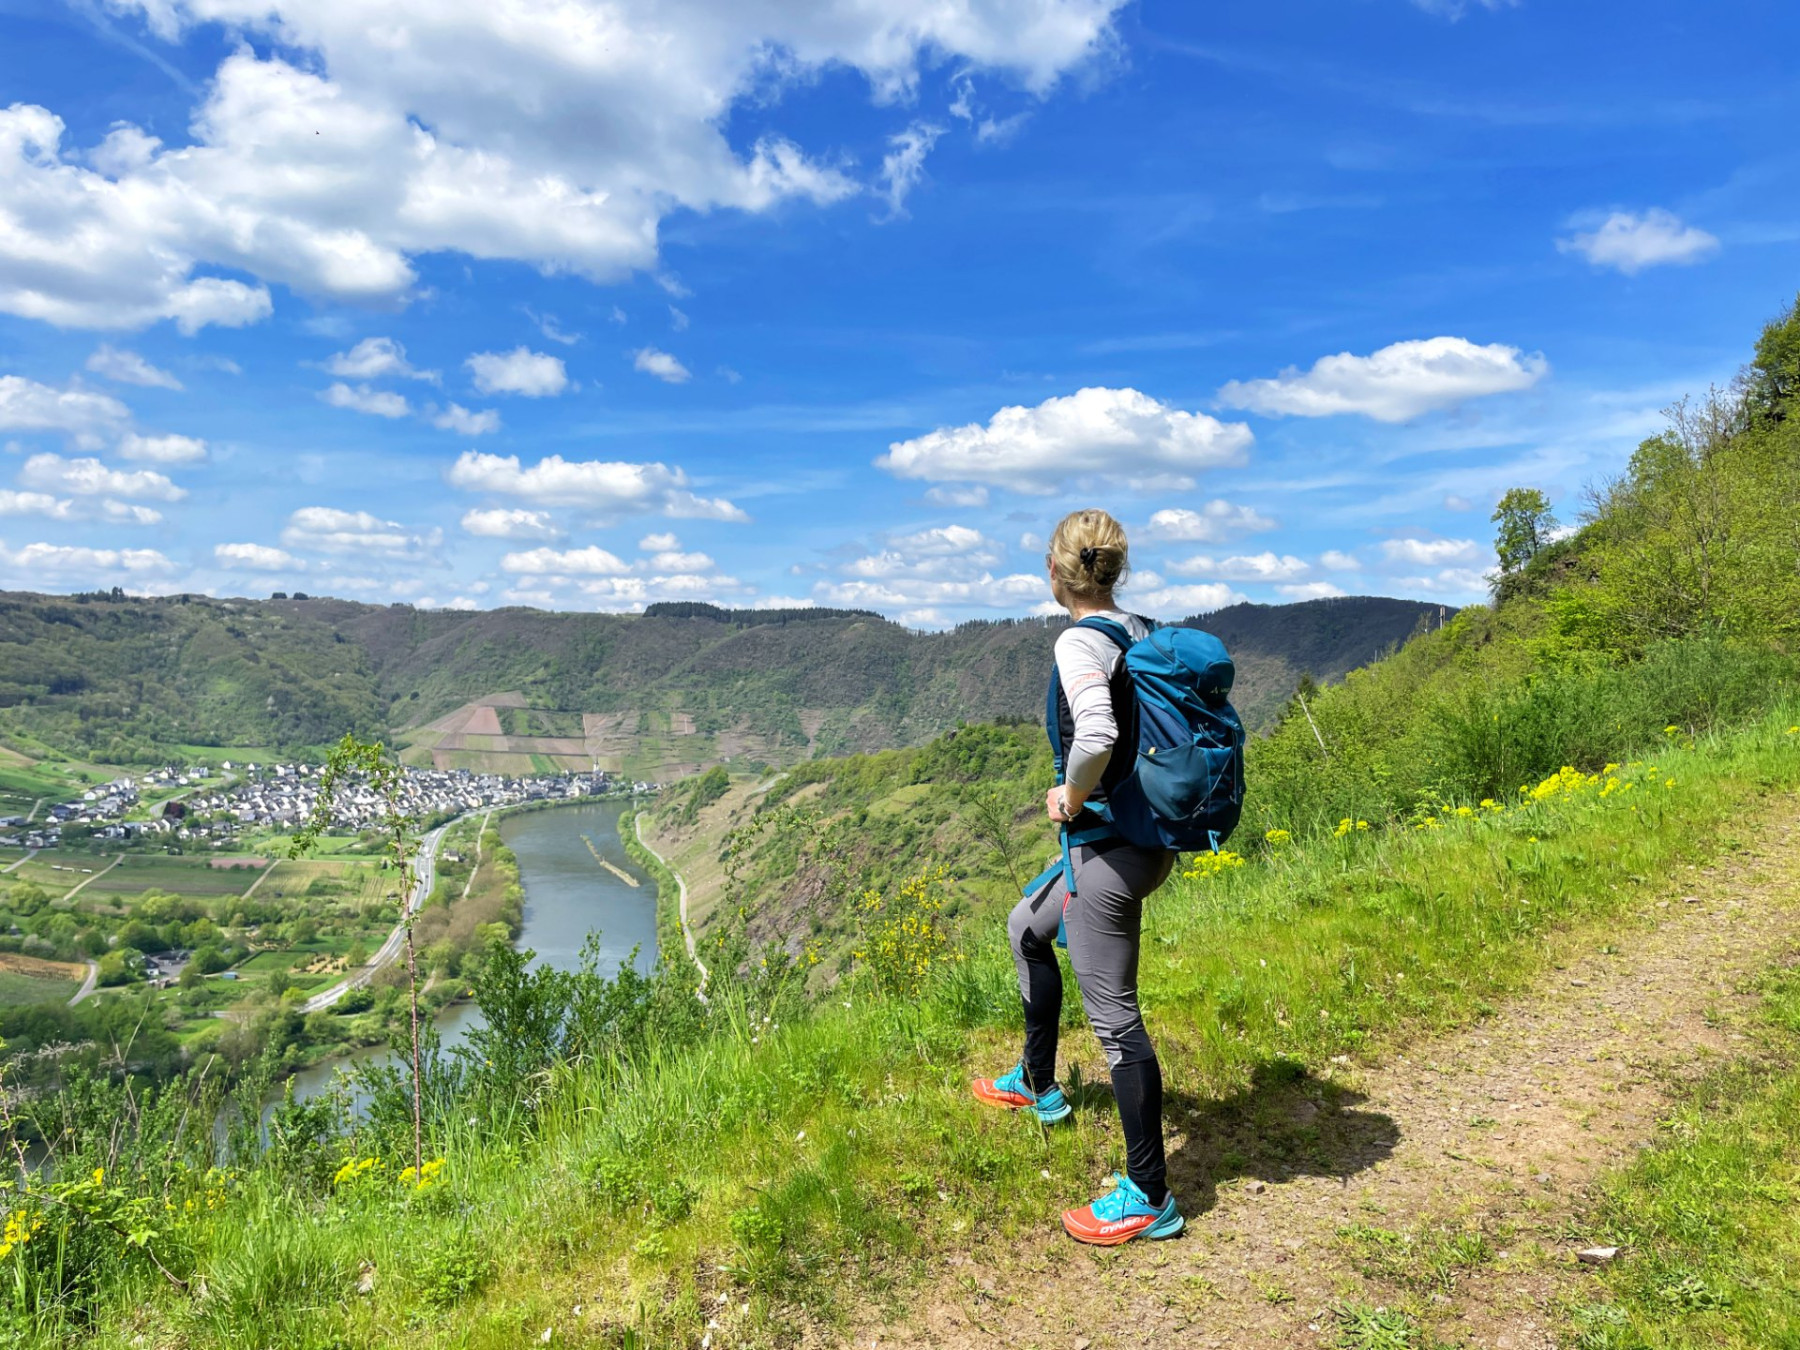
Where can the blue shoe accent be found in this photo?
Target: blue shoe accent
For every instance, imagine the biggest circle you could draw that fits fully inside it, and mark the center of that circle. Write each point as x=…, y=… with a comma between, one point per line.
x=1126, y=1201
x=1049, y=1106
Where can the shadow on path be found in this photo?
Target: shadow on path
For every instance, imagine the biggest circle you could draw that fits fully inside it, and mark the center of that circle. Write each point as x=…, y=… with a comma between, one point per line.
x=1285, y=1124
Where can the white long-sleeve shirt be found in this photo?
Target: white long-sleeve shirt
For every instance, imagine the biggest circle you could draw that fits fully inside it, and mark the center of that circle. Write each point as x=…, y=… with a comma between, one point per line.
x=1086, y=662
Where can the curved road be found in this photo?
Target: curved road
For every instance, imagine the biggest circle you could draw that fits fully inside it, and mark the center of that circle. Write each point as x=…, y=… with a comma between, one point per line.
x=687, y=933
x=87, y=985
x=396, y=940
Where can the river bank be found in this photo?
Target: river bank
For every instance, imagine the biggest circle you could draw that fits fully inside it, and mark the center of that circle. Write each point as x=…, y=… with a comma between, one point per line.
x=569, y=894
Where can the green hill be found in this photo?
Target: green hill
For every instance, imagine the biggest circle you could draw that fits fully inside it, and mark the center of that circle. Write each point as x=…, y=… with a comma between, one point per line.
x=1572, y=796
x=120, y=679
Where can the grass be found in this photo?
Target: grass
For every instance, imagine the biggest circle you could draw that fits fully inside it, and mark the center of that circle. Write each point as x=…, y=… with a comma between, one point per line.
x=1706, y=1219
x=798, y=1168
x=26, y=989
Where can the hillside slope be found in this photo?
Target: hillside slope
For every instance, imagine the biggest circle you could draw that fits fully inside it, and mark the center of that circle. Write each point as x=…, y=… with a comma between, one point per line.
x=127, y=679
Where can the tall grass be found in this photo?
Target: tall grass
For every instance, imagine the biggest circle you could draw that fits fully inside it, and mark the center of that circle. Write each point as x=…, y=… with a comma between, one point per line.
x=764, y=1172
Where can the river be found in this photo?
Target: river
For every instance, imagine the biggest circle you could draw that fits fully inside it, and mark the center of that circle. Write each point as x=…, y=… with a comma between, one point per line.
x=568, y=895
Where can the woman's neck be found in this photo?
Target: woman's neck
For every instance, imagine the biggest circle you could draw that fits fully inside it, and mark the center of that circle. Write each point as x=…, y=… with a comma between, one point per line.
x=1080, y=609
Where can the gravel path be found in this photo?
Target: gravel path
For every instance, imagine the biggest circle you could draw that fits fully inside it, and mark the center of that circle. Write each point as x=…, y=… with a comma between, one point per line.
x=1495, y=1130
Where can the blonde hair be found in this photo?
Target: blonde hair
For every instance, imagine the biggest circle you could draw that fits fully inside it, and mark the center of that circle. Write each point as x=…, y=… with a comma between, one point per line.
x=1089, y=554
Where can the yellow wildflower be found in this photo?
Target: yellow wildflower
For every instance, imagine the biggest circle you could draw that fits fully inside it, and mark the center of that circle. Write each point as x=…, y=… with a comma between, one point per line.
x=1278, y=837
x=1207, y=865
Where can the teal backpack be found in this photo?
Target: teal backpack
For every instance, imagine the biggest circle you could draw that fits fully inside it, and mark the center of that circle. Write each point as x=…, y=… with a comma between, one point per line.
x=1176, y=776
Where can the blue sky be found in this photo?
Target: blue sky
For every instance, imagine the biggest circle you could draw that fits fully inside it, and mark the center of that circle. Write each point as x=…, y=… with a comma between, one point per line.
x=590, y=305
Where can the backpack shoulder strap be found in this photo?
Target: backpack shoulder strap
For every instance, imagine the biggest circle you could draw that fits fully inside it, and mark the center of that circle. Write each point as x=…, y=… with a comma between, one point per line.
x=1111, y=627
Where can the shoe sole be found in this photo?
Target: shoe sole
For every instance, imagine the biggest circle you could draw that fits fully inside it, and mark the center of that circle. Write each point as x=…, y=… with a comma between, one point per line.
x=1050, y=1117
x=1162, y=1228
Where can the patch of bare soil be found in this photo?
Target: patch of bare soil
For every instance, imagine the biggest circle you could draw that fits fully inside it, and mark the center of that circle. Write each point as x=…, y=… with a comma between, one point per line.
x=1444, y=1181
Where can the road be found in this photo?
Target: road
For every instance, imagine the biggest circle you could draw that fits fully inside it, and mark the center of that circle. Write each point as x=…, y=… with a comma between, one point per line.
x=396, y=940
x=13, y=867
x=94, y=877
x=687, y=933
x=87, y=985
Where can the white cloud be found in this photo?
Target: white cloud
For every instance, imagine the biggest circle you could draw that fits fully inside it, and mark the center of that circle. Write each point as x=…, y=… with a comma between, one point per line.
x=660, y=364
x=898, y=592
x=510, y=524
x=1180, y=602
x=1251, y=567
x=127, y=513
x=1310, y=590
x=1455, y=9
x=783, y=602
x=127, y=367
x=376, y=358
x=1333, y=560
x=590, y=561
x=904, y=164
x=618, y=315
x=606, y=485
x=465, y=423
x=678, y=320
x=1120, y=435
x=521, y=371
x=659, y=543
x=556, y=135
x=678, y=562
x=26, y=405
x=548, y=325
x=973, y=497
x=63, y=508
x=363, y=399
x=35, y=504
x=1217, y=522
x=257, y=558
x=91, y=478
x=948, y=567
x=326, y=529
x=59, y=560
x=1431, y=552
x=1395, y=384
x=1452, y=502
x=1631, y=242
x=949, y=552
x=634, y=593
x=1454, y=582
x=162, y=449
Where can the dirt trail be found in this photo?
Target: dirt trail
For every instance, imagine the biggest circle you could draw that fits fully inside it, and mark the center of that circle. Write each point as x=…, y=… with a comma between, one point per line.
x=1497, y=1129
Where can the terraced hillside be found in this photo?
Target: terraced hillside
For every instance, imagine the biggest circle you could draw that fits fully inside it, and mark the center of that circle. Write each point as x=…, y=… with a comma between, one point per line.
x=124, y=679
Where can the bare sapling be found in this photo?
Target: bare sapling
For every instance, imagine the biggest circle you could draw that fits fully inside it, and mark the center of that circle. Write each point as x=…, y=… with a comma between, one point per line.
x=371, y=766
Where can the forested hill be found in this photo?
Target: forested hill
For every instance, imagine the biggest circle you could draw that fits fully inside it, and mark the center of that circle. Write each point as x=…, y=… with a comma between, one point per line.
x=124, y=679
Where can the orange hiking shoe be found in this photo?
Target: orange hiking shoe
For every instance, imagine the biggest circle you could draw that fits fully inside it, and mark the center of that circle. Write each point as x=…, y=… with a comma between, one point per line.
x=1122, y=1214
x=1010, y=1090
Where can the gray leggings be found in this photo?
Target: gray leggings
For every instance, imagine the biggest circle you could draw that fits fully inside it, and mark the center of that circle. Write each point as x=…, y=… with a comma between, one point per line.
x=1103, y=921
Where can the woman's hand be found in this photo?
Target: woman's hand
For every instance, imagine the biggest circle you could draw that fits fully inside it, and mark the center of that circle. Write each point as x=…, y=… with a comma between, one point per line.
x=1062, y=805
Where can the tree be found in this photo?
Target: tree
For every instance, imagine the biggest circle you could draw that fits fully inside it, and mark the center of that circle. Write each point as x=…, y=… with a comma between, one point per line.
x=1526, y=524
x=118, y=967
x=1772, y=383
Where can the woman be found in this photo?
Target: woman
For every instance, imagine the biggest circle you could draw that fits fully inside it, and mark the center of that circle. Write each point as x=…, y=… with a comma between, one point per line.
x=1086, y=561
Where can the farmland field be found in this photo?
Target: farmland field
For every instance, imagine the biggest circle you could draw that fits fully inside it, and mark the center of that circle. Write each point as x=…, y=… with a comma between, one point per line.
x=195, y=876
x=24, y=979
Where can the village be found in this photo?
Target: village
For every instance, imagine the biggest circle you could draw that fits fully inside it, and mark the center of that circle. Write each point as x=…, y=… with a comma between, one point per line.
x=207, y=806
